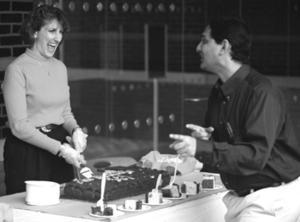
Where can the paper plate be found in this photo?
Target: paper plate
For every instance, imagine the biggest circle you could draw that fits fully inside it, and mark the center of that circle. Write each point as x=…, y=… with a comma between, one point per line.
x=176, y=198
x=116, y=214
x=144, y=207
x=217, y=187
x=165, y=201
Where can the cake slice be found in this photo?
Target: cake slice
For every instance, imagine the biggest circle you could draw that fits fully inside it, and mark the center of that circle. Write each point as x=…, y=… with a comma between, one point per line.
x=190, y=188
x=172, y=192
x=133, y=204
x=208, y=182
x=154, y=197
x=108, y=210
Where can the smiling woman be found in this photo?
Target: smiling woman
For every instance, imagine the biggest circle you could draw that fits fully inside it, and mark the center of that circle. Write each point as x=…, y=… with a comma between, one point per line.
x=37, y=99
x=48, y=39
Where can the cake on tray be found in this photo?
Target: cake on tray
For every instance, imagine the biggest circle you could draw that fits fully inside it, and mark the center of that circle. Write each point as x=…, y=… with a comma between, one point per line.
x=172, y=192
x=190, y=188
x=133, y=204
x=208, y=182
x=121, y=182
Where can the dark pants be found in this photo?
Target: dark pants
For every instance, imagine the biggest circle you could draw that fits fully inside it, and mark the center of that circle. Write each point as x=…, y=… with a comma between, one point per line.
x=23, y=161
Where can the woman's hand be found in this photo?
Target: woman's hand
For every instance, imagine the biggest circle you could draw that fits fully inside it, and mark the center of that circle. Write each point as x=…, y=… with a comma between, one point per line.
x=78, y=140
x=200, y=132
x=71, y=155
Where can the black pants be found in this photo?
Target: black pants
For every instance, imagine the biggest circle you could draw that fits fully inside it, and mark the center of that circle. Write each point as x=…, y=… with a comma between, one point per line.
x=23, y=161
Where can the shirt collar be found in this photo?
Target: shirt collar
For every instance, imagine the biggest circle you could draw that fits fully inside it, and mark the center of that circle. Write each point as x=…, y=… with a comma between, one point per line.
x=36, y=56
x=234, y=81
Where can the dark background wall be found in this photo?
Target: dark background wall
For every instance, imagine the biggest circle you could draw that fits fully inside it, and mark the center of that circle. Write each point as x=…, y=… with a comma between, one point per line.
x=150, y=46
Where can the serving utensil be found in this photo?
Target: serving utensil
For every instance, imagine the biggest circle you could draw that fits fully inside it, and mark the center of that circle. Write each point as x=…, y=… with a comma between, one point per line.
x=158, y=182
x=103, y=182
x=86, y=172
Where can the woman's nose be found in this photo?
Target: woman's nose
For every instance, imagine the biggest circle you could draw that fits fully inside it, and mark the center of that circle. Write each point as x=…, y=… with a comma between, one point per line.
x=58, y=36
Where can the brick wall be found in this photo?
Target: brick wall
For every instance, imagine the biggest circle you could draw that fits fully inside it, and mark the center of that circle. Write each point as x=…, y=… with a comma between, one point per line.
x=12, y=13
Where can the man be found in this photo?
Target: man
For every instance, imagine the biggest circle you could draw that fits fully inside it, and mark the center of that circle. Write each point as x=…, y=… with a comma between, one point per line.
x=248, y=135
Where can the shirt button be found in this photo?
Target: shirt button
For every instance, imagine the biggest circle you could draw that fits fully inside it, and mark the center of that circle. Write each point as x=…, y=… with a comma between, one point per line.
x=218, y=165
x=224, y=102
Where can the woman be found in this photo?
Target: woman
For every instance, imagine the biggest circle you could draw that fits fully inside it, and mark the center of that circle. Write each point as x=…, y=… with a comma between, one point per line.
x=37, y=99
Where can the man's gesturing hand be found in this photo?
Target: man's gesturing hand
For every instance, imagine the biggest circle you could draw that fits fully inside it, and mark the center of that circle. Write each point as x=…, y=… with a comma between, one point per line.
x=200, y=132
x=185, y=146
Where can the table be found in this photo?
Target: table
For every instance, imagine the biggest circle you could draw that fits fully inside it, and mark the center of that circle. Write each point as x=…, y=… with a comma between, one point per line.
x=207, y=206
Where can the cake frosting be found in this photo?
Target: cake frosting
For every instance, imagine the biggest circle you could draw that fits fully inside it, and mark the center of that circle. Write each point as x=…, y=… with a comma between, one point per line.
x=154, y=197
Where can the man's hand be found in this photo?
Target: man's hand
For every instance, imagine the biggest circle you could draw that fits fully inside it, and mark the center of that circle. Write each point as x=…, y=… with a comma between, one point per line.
x=185, y=146
x=200, y=132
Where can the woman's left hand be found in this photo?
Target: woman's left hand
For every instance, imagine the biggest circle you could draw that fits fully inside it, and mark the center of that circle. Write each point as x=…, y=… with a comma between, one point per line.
x=78, y=140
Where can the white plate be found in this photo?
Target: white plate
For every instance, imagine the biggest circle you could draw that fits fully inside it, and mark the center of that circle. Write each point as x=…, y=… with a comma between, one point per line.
x=210, y=174
x=121, y=207
x=217, y=187
x=42, y=203
x=165, y=201
x=116, y=214
x=175, y=198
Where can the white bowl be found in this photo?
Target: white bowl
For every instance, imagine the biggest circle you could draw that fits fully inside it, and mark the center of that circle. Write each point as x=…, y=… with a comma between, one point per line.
x=42, y=193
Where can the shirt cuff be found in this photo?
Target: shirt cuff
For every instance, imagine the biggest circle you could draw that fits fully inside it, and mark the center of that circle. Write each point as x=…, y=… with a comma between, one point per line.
x=204, y=151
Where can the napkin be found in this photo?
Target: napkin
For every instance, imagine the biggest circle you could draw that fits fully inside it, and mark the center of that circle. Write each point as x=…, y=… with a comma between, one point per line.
x=6, y=213
x=166, y=162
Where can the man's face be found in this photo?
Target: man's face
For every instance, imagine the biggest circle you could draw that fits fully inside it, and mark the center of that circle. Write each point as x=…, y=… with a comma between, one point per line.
x=208, y=50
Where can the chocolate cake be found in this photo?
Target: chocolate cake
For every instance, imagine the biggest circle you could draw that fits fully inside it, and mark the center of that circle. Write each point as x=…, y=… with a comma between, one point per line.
x=121, y=182
x=208, y=182
x=172, y=192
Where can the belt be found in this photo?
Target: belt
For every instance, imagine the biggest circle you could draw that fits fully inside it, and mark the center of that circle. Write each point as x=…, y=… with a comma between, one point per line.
x=244, y=193
x=47, y=128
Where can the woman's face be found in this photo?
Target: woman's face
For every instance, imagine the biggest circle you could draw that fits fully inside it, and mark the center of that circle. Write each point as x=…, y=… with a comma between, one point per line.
x=48, y=39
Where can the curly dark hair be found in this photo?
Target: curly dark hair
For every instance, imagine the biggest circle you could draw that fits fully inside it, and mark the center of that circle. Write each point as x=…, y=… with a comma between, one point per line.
x=38, y=18
x=236, y=31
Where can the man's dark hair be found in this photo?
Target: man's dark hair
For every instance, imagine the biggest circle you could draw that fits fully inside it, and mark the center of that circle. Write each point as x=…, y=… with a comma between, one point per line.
x=39, y=17
x=236, y=31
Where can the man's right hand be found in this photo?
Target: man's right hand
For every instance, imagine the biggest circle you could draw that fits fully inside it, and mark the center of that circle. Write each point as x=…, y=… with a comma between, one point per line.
x=200, y=132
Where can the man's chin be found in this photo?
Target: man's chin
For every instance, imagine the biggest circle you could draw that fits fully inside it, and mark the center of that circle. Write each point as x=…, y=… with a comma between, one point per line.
x=202, y=66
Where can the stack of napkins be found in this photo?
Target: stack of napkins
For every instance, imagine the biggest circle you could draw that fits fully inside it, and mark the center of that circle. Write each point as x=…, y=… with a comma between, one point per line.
x=155, y=160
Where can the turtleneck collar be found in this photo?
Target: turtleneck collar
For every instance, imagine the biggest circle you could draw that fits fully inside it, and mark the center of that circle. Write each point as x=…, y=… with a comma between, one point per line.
x=36, y=56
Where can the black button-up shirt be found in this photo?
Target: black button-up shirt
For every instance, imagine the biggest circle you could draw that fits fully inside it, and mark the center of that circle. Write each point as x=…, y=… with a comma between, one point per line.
x=254, y=144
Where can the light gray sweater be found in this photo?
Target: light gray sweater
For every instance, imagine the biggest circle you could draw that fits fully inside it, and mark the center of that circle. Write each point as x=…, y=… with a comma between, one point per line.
x=36, y=93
